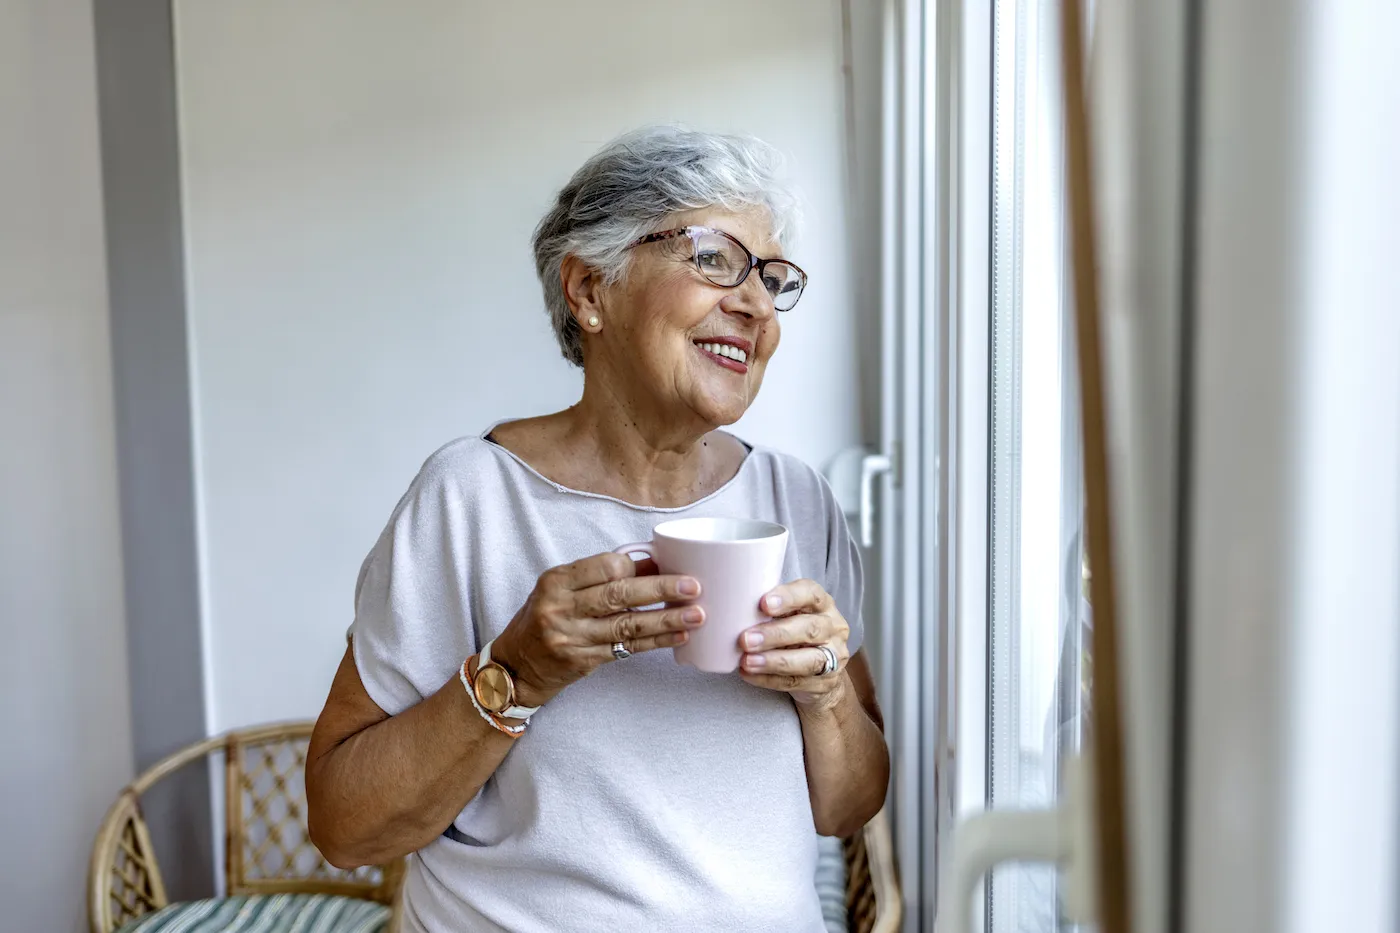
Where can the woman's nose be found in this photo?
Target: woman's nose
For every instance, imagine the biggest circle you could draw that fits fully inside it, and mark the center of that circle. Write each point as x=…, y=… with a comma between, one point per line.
x=750, y=299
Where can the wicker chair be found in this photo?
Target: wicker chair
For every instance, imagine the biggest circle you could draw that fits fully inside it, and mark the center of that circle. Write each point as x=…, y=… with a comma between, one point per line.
x=874, y=901
x=270, y=852
x=268, y=848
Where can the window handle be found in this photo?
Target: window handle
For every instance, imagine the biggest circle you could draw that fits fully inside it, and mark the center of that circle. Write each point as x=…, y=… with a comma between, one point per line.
x=1062, y=834
x=871, y=467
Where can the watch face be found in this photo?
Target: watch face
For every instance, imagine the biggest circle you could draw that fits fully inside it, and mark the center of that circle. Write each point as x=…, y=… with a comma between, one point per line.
x=493, y=688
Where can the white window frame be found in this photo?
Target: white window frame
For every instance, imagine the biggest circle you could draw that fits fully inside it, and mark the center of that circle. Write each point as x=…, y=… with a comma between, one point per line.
x=937, y=93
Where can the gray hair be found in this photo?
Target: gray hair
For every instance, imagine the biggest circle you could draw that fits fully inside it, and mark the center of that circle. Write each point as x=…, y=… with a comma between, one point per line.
x=633, y=184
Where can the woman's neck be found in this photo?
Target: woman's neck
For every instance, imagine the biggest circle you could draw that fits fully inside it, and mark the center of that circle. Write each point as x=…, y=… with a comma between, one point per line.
x=660, y=459
x=605, y=447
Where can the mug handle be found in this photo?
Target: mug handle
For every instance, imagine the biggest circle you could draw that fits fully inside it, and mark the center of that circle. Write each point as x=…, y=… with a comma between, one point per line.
x=641, y=547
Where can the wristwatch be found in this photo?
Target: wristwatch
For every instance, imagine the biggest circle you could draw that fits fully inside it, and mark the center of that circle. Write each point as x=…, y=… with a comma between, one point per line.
x=495, y=688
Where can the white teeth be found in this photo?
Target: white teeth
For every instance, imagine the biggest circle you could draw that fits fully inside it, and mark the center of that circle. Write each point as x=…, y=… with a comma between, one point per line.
x=726, y=351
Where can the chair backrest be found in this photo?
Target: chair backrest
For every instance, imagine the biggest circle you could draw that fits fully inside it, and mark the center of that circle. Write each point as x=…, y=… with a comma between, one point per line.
x=874, y=899
x=269, y=846
x=269, y=849
x=124, y=882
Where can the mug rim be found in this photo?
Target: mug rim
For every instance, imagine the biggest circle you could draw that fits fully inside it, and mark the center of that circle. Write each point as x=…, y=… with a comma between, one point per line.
x=774, y=530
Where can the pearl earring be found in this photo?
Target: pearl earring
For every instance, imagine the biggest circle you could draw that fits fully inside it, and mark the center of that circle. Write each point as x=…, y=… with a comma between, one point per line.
x=593, y=321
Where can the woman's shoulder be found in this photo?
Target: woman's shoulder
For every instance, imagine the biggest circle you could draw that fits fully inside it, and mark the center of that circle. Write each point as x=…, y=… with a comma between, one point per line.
x=792, y=477
x=444, y=482
x=458, y=458
x=457, y=472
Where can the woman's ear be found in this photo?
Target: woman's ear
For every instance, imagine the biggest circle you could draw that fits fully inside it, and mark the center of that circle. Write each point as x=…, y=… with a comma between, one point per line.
x=583, y=291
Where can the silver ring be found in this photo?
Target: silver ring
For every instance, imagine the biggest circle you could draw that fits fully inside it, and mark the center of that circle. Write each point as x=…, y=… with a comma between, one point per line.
x=620, y=651
x=831, y=663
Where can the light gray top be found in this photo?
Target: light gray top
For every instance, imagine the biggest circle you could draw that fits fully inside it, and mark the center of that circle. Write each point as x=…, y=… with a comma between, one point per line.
x=647, y=796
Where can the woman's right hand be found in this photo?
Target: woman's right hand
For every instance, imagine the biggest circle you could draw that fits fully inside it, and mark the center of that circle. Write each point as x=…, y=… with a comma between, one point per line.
x=577, y=612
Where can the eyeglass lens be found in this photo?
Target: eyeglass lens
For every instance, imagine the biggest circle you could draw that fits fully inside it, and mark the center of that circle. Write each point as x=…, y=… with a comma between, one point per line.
x=723, y=261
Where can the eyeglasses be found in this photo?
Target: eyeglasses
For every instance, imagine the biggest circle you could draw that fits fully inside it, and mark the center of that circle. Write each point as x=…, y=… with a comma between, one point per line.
x=726, y=262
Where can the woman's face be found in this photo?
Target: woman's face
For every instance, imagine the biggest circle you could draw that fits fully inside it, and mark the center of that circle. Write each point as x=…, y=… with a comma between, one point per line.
x=664, y=322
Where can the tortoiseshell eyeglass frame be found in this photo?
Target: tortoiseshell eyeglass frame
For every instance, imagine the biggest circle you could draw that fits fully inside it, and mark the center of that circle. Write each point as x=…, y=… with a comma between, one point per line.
x=694, y=233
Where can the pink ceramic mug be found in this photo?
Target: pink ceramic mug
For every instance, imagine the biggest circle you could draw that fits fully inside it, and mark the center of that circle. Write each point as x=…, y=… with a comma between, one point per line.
x=736, y=560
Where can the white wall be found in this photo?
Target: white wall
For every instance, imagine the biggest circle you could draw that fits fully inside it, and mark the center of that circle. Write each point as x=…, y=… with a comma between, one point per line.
x=360, y=183
x=64, y=711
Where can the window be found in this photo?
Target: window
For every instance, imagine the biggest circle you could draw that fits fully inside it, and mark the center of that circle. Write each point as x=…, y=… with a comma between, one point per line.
x=1037, y=617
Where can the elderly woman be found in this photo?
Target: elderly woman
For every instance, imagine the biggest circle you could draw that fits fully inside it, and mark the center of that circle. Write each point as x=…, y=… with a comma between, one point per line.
x=609, y=788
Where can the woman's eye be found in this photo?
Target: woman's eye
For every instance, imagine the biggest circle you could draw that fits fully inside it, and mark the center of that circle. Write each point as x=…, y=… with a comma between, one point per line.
x=711, y=260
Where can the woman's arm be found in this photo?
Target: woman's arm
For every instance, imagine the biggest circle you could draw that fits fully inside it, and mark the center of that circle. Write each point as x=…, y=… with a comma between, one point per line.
x=379, y=787
x=848, y=763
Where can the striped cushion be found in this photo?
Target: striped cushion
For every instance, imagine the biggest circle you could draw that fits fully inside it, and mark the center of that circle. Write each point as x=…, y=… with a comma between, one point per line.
x=831, y=883
x=272, y=913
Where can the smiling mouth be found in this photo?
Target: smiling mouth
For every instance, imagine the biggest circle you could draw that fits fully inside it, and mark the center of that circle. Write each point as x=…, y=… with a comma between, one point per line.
x=730, y=357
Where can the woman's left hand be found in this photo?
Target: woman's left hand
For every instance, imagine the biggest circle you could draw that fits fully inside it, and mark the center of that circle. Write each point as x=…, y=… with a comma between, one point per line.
x=785, y=654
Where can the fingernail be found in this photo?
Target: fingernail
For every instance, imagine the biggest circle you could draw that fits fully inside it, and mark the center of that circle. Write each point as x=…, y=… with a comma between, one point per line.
x=773, y=603
x=757, y=660
x=693, y=616
x=689, y=587
x=753, y=639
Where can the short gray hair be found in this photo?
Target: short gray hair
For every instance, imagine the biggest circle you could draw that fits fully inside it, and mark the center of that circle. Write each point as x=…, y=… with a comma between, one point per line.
x=633, y=184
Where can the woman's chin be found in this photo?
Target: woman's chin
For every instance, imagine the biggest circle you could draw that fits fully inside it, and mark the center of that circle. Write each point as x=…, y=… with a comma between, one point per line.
x=721, y=399
x=721, y=415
